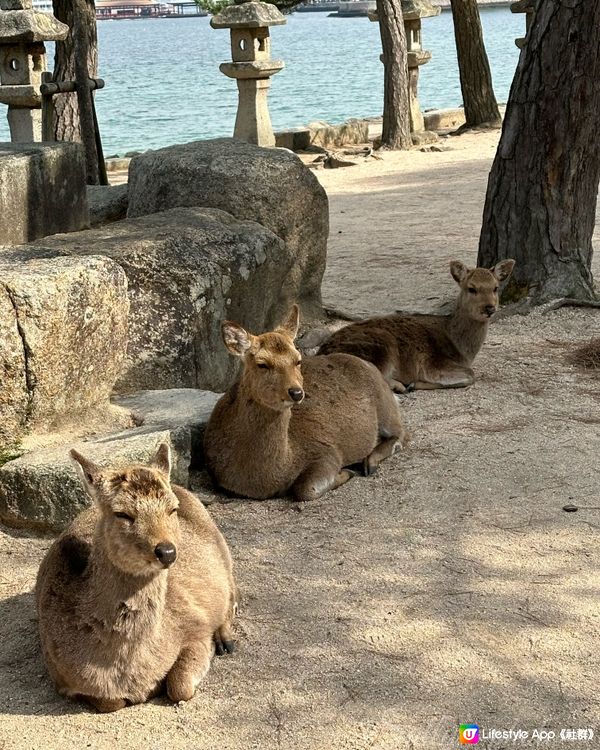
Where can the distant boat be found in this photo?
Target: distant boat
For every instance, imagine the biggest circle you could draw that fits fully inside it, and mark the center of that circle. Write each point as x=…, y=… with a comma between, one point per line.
x=43, y=5
x=350, y=8
x=118, y=9
x=315, y=6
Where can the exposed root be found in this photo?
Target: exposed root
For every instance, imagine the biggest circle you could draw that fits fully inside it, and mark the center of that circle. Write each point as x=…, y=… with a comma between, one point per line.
x=569, y=302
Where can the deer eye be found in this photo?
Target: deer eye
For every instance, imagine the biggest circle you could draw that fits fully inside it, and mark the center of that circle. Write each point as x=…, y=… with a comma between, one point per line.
x=298, y=363
x=262, y=366
x=173, y=510
x=495, y=289
x=472, y=290
x=125, y=517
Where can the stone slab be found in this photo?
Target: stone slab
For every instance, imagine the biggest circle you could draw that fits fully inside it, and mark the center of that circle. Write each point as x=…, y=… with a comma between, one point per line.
x=41, y=490
x=294, y=139
x=42, y=190
x=333, y=136
x=444, y=119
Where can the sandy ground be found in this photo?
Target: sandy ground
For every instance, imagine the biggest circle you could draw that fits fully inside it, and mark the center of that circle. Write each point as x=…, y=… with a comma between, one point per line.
x=451, y=588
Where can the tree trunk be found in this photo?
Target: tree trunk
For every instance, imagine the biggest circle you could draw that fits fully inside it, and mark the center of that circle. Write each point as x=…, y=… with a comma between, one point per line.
x=479, y=101
x=396, y=114
x=66, y=124
x=540, y=206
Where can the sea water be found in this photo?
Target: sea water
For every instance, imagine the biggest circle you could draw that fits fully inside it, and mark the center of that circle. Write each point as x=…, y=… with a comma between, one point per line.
x=163, y=83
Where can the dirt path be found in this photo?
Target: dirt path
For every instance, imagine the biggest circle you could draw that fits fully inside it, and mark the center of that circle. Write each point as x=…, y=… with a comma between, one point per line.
x=450, y=588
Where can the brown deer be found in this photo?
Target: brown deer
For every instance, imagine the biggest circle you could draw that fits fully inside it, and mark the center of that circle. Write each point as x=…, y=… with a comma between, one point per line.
x=138, y=590
x=288, y=424
x=429, y=351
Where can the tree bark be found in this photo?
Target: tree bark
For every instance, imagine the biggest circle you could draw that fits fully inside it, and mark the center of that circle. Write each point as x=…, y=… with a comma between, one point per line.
x=74, y=56
x=396, y=114
x=479, y=100
x=540, y=206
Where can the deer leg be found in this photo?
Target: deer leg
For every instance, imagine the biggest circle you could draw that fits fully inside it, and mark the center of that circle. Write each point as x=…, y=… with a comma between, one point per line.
x=189, y=670
x=458, y=377
x=399, y=387
x=319, y=479
x=381, y=451
x=105, y=705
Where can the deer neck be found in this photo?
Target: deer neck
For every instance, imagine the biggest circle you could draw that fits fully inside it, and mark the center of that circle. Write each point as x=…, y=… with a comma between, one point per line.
x=265, y=431
x=121, y=603
x=467, y=334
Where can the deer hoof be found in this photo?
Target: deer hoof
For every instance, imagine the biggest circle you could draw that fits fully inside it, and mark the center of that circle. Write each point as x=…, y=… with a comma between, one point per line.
x=409, y=388
x=369, y=467
x=223, y=647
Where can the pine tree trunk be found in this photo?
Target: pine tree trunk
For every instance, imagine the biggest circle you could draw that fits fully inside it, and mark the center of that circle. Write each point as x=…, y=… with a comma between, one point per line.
x=540, y=206
x=479, y=100
x=396, y=113
x=80, y=17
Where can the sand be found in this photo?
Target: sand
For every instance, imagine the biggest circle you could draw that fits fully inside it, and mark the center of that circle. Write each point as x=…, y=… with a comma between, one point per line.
x=450, y=588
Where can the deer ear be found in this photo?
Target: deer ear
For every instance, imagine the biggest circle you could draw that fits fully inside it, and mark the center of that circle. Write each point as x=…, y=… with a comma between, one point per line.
x=291, y=325
x=503, y=269
x=236, y=339
x=162, y=460
x=458, y=270
x=91, y=474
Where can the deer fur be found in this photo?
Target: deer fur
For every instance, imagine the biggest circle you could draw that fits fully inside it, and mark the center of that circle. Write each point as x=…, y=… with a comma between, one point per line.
x=429, y=351
x=138, y=590
x=289, y=424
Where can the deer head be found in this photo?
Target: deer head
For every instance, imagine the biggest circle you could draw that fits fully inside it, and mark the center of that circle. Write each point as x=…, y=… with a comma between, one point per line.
x=138, y=524
x=271, y=362
x=478, y=297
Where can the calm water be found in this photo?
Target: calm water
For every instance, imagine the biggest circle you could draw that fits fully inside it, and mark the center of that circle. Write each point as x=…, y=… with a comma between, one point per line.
x=163, y=83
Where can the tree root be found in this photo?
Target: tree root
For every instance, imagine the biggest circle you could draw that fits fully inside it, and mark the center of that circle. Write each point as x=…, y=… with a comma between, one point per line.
x=569, y=302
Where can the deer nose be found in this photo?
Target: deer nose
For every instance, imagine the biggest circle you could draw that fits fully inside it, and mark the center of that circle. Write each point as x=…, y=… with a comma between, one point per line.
x=166, y=553
x=296, y=394
x=490, y=310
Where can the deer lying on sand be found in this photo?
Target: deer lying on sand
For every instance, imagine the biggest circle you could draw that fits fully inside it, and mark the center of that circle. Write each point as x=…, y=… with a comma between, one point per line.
x=429, y=351
x=299, y=426
x=137, y=591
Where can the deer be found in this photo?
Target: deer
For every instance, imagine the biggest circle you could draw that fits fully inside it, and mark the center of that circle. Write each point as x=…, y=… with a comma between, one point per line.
x=137, y=593
x=429, y=351
x=304, y=426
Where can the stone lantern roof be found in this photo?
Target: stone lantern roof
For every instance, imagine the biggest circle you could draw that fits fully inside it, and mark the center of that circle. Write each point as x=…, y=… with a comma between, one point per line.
x=413, y=9
x=248, y=15
x=523, y=6
x=18, y=26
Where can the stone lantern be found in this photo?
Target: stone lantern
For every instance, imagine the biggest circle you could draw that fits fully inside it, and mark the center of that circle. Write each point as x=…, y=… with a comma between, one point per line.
x=527, y=7
x=23, y=32
x=252, y=66
x=412, y=12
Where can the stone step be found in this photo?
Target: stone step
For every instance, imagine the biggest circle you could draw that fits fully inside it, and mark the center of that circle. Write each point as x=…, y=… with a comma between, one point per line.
x=40, y=489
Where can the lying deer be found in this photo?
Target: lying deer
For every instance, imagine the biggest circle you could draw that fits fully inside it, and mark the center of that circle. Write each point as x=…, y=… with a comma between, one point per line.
x=300, y=426
x=137, y=591
x=429, y=351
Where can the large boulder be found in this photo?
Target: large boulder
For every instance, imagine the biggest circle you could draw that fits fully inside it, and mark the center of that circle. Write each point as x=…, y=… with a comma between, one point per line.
x=107, y=203
x=269, y=186
x=188, y=269
x=63, y=337
x=42, y=190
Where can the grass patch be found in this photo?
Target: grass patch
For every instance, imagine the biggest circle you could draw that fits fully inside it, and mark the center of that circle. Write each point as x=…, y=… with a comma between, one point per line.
x=587, y=356
x=9, y=453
